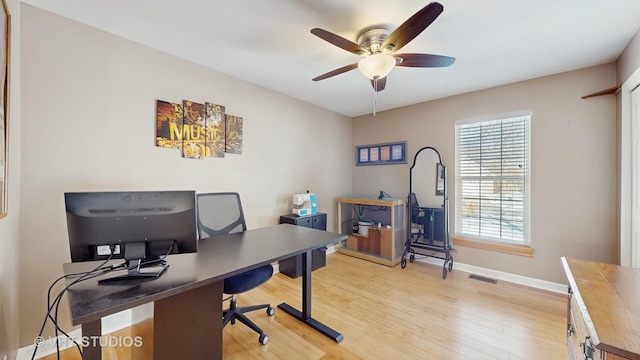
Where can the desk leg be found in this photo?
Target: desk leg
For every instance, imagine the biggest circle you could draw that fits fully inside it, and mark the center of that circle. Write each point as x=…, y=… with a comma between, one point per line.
x=305, y=315
x=189, y=325
x=92, y=332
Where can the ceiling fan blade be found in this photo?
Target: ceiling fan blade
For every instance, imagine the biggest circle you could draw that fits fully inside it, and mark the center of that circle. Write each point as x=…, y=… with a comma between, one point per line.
x=336, y=72
x=413, y=26
x=381, y=84
x=338, y=41
x=423, y=60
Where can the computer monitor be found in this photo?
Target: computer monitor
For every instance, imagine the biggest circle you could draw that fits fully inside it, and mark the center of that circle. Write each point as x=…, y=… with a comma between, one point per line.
x=138, y=226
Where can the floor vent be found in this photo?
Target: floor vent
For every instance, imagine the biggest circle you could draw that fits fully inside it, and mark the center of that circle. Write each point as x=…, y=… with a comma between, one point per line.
x=481, y=278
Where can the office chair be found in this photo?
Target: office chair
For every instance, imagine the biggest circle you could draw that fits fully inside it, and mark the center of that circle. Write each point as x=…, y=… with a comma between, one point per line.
x=219, y=214
x=417, y=216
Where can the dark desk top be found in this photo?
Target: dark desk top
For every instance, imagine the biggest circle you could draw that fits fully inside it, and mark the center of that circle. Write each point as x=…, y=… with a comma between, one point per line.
x=217, y=258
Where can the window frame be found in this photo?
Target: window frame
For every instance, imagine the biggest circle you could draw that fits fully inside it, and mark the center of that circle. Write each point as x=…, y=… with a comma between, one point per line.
x=510, y=246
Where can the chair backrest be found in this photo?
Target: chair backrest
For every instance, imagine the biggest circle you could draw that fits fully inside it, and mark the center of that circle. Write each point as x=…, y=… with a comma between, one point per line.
x=219, y=213
x=413, y=206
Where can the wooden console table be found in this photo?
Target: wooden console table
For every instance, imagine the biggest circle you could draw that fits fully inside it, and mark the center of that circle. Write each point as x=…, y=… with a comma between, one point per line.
x=382, y=245
x=603, y=320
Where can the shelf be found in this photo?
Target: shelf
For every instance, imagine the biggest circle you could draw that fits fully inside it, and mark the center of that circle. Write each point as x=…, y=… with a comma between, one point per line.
x=383, y=245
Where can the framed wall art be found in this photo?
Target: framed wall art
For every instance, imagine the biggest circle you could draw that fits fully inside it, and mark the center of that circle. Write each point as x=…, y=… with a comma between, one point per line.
x=199, y=130
x=382, y=154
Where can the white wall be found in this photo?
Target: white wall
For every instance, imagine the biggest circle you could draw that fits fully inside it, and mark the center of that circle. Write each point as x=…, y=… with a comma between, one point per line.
x=88, y=102
x=9, y=225
x=629, y=60
x=573, y=163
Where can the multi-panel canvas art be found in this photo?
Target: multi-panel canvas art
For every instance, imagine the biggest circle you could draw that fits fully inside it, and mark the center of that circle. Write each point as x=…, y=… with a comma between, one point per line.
x=168, y=125
x=193, y=139
x=199, y=130
x=215, y=133
x=233, y=141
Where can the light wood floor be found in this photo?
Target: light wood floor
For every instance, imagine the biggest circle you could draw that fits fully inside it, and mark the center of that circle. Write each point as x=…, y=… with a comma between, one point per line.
x=393, y=313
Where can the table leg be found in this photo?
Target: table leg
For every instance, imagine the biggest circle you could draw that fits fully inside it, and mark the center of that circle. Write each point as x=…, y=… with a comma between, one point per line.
x=305, y=315
x=91, y=333
x=189, y=325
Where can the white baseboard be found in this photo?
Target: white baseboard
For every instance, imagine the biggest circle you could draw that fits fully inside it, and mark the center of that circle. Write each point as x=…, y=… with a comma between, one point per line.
x=121, y=320
x=48, y=347
x=500, y=275
x=110, y=324
x=333, y=248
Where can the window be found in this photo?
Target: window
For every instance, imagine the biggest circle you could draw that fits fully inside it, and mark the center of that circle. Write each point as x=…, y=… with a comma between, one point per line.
x=493, y=170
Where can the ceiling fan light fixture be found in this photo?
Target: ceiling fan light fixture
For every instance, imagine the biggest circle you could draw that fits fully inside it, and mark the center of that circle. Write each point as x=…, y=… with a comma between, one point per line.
x=376, y=66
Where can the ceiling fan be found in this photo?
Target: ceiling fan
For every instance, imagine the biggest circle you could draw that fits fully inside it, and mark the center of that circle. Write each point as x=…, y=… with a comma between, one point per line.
x=377, y=47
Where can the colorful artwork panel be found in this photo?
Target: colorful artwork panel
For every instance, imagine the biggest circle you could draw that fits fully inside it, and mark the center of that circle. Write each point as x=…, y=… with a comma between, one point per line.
x=193, y=130
x=168, y=125
x=215, y=130
x=233, y=139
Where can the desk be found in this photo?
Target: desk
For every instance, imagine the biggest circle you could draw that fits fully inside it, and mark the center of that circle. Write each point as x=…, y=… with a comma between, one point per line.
x=603, y=312
x=188, y=297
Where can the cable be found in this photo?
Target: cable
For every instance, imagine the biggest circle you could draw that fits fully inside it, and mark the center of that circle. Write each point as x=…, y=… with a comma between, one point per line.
x=83, y=276
x=57, y=302
x=161, y=258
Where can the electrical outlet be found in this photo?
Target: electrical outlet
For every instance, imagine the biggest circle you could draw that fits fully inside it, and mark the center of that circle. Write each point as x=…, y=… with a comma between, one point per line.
x=103, y=250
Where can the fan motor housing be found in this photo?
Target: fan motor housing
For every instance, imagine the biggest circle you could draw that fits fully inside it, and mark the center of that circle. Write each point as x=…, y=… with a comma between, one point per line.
x=371, y=39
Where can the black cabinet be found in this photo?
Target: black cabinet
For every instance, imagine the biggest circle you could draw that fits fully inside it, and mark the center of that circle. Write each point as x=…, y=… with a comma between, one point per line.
x=292, y=267
x=434, y=225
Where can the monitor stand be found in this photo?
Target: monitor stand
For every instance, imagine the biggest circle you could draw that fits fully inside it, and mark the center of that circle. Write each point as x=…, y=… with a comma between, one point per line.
x=140, y=271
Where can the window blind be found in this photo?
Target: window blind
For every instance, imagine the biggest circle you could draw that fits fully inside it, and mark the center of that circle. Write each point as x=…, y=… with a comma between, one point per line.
x=492, y=179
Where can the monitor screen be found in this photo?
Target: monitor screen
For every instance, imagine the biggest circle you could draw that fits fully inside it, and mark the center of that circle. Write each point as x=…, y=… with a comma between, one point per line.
x=100, y=222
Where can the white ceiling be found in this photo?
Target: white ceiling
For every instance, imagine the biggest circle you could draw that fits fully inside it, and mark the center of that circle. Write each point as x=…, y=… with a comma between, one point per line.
x=268, y=43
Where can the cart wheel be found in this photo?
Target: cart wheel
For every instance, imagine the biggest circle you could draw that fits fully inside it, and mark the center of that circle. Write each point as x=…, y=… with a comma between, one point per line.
x=412, y=258
x=403, y=262
x=451, y=264
x=271, y=311
x=263, y=339
x=444, y=272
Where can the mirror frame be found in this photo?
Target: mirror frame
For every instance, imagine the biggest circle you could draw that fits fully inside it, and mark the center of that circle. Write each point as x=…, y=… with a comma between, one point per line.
x=439, y=179
x=5, y=59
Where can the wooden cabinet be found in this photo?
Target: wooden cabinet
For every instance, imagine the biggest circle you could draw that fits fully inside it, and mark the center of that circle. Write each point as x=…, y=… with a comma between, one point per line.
x=292, y=267
x=384, y=244
x=603, y=311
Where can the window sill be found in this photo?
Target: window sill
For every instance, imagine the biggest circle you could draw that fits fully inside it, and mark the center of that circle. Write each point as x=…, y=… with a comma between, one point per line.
x=520, y=250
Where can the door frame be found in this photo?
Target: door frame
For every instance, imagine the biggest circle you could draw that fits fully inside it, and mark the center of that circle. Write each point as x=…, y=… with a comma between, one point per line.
x=629, y=231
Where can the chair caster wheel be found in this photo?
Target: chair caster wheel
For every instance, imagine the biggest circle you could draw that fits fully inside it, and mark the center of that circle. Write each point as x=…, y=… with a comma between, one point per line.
x=271, y=311
x=263, y=339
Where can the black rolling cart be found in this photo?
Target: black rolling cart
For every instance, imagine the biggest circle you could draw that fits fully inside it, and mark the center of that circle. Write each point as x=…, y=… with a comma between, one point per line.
x=292, y=267
x=428, y=226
